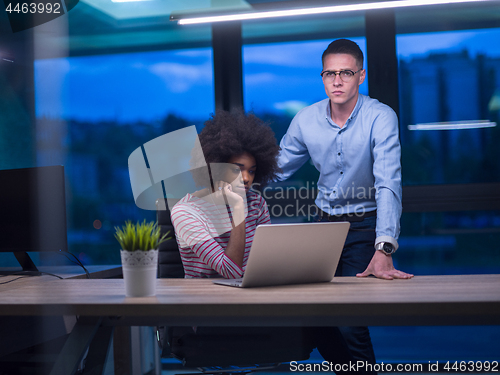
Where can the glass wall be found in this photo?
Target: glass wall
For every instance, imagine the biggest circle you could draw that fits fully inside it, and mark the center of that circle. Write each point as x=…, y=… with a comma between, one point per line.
x=449, y=116
x=93, y=111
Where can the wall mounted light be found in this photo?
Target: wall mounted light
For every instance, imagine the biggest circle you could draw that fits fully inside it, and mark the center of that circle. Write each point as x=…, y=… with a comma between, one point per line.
x=453, y=125
x=127, y=1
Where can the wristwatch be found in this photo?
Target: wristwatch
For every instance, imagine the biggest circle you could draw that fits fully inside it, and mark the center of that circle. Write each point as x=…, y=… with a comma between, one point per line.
x=386, y=247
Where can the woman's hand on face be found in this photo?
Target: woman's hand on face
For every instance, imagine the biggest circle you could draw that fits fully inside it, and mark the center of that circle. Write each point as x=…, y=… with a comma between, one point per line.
x=225, y=190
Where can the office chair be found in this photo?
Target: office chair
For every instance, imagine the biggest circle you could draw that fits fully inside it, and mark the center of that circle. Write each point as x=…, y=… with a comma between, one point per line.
x=220, y=350
x=169, y=258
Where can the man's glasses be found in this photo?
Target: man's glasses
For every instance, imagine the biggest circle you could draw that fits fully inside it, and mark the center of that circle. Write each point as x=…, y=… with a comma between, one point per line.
x=345, y=75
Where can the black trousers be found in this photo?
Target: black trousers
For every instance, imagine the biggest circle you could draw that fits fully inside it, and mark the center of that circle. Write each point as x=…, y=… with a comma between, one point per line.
x=357, y=254
x=224, y=346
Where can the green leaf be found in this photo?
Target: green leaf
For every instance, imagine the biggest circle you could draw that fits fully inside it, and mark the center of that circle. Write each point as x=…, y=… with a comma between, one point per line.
x=140, y=236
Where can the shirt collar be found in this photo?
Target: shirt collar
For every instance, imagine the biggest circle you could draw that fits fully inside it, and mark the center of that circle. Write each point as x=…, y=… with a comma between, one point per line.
x=354, y=112
x=356, y=109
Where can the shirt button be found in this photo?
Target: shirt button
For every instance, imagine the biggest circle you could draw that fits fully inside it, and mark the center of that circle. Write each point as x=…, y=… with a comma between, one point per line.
x=339, y=153
x=341, y=172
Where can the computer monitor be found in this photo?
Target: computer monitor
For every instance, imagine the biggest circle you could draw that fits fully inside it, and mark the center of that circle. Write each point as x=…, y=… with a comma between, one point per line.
x=32, y=213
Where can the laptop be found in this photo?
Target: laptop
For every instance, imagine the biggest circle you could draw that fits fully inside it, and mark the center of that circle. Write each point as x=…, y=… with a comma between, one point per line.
x=283, y=254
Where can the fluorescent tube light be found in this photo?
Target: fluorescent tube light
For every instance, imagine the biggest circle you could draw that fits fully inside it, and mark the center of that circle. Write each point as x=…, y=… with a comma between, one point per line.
x=318, y=10
x=453, y=125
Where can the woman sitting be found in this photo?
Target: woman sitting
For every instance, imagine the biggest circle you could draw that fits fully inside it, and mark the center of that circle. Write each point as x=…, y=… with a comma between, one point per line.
x=214, y=240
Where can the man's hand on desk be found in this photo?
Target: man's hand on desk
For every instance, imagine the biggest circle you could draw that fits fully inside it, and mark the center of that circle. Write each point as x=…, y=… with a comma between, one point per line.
x=381, y=266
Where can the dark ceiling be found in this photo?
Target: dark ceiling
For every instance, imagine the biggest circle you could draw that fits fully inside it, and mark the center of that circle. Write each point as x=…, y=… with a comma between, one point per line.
x=104, y=26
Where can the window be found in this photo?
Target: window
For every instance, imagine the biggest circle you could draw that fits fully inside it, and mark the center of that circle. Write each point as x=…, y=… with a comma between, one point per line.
x=451, y=80
x=93, y=111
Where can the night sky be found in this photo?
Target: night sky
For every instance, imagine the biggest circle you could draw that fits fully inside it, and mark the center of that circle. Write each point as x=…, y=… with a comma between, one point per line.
x=147, y=86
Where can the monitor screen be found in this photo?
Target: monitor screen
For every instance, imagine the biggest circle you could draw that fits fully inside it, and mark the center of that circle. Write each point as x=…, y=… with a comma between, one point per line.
x=32, y=211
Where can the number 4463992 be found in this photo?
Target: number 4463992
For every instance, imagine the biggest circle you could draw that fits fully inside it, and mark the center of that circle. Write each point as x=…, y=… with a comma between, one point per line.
x=471, y=366
x=34, y=8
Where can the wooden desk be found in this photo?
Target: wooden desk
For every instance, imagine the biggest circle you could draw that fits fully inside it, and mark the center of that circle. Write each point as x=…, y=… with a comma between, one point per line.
x=424, y=300
x=37, y=332
x=101, y=304
x=16, y=281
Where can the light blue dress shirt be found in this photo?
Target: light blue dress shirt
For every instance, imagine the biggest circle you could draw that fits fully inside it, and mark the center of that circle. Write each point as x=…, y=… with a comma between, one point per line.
x=359, y=164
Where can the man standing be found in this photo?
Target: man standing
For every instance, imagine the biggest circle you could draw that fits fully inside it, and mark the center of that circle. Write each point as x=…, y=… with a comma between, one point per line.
x=353, y=141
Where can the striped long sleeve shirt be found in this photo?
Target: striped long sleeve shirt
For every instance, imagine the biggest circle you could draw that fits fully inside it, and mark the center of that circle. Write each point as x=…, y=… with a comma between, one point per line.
x=198, y=225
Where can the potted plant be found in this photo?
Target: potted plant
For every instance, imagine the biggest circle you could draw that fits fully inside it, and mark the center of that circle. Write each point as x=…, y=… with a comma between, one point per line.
x=139, y=254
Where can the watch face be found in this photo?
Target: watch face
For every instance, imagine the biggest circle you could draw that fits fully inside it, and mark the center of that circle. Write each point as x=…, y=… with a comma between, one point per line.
x=388, y=248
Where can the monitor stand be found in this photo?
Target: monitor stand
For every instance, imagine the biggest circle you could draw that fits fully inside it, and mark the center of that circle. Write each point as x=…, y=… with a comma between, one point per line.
x=28, y=267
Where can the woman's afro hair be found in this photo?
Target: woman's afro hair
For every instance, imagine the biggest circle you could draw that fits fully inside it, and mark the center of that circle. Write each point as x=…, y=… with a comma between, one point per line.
x=228, y=134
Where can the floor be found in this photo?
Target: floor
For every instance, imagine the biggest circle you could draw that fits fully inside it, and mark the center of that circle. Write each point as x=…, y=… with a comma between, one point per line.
x=418, y=348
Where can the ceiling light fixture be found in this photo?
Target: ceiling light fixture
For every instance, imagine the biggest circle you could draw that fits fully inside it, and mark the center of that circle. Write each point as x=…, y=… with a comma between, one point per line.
x=317, y=10
x=453, y=125
x=127, y=1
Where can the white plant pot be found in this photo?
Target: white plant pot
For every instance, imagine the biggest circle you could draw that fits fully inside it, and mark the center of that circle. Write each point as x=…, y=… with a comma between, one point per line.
x=139, y=272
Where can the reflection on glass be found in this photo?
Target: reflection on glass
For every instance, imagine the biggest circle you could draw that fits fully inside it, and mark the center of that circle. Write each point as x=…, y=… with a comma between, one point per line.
x=173, y=166
x=216, y=202
x=94, y=111
x=450, y=77
x=461, y=242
